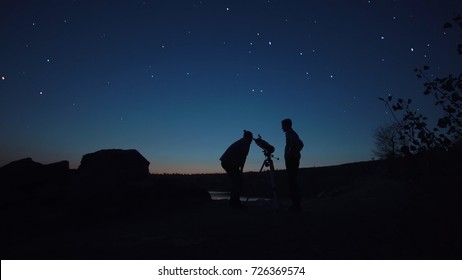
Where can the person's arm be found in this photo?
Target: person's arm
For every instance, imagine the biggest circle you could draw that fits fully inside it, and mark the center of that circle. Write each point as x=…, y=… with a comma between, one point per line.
x=289, y=144
x=292, y=149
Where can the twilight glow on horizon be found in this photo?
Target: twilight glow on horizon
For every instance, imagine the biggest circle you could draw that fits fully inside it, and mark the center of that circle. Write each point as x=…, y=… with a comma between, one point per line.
x=179, y=81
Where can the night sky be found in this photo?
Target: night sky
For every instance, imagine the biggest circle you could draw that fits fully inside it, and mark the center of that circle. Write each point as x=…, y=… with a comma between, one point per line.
x=180, y=80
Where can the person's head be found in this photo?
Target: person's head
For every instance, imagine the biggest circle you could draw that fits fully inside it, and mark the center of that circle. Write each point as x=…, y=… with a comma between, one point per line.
x=248, y=135
x=286, y=124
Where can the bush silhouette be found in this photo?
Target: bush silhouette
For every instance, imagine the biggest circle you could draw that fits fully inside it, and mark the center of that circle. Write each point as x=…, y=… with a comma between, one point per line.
x=447, y=91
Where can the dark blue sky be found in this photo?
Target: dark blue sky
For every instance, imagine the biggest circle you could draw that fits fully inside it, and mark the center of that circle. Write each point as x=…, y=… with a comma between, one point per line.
x=180, y=80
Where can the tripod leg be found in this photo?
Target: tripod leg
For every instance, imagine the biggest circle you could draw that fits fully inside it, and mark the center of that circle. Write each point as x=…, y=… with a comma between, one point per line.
x=273, y=184
x=263, y=165
x=253, y=185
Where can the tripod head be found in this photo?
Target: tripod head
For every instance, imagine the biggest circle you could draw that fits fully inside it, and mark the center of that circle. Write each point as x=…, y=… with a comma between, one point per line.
x=267, y=148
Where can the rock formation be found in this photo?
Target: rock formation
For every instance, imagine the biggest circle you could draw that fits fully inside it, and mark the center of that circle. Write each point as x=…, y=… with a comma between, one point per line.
x=114, y=164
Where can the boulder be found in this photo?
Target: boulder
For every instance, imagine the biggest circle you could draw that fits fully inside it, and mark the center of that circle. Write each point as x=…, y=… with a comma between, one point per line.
x=57, y=169
x=26, y=183
x=28, y=172
x=18, y=167
x=114, y=165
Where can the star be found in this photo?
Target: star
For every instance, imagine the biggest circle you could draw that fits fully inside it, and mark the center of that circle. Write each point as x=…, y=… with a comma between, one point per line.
x=134, y=37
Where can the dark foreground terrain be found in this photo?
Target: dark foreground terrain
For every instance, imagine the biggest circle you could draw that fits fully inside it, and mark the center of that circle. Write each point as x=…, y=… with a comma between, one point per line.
x=371, y=210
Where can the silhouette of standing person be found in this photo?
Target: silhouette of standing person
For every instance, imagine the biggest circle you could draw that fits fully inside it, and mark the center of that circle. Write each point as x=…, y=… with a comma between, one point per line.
x=292, y=159
x=233, y=161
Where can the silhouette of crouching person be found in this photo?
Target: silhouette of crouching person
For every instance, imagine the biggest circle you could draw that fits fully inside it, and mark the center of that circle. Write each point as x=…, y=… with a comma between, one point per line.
x=233, y=161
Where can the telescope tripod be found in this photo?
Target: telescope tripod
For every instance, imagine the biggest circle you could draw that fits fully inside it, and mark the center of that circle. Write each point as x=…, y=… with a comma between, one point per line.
x=268, y=162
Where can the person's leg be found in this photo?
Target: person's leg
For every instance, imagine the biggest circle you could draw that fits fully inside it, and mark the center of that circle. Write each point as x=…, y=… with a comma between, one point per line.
x=292, y=174
x=236, y=181
x=236, y=184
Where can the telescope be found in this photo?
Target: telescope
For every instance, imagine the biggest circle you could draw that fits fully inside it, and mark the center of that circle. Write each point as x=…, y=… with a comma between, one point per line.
x=267, y=147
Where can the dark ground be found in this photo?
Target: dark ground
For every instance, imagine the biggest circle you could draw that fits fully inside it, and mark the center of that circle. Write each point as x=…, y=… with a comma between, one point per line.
x=356, y=211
